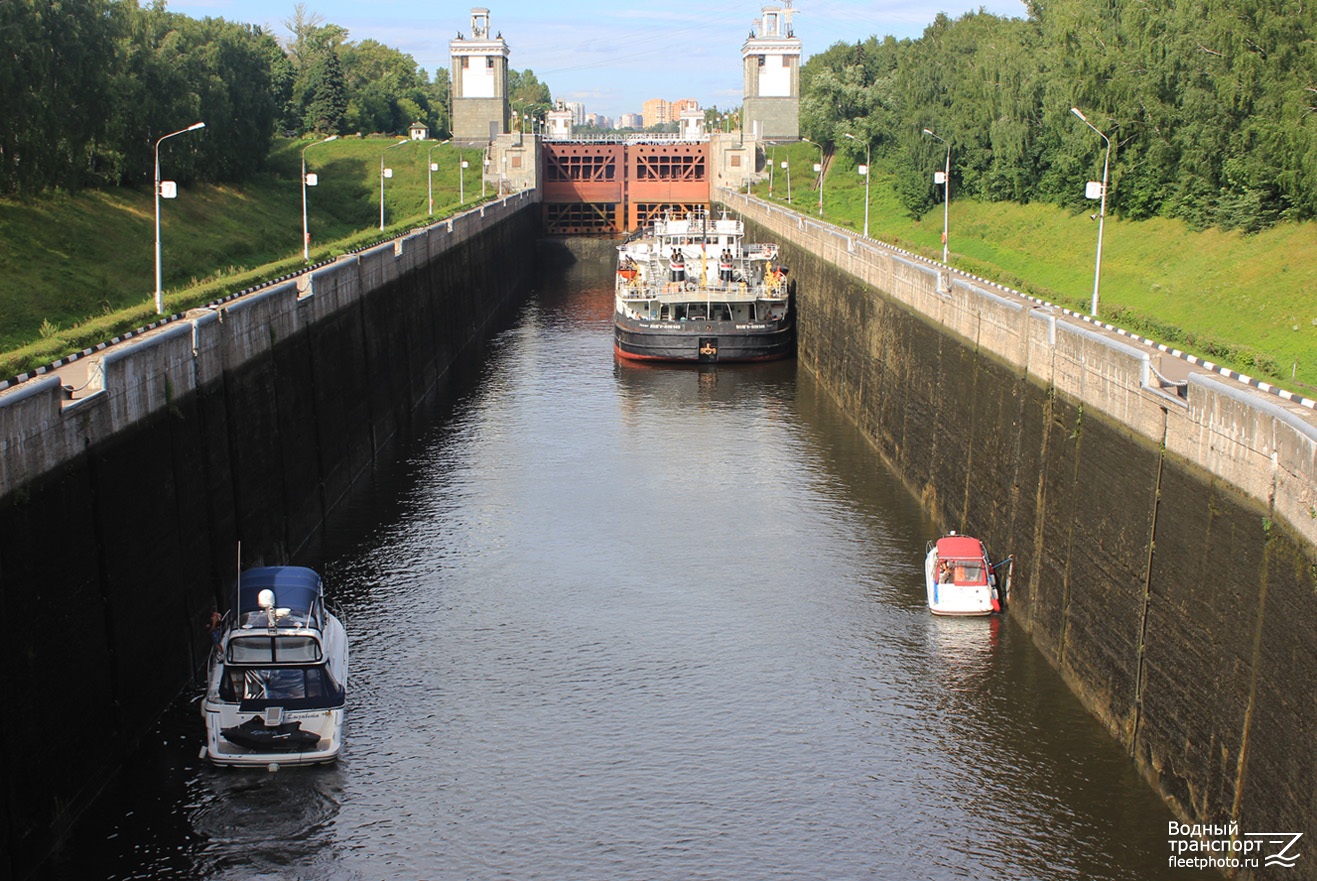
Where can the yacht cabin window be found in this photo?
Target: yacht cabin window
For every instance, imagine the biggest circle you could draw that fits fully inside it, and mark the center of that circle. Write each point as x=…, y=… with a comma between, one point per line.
x=262, y=649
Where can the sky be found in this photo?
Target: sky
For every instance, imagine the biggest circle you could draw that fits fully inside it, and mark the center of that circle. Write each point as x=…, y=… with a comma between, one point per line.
x=610, y=55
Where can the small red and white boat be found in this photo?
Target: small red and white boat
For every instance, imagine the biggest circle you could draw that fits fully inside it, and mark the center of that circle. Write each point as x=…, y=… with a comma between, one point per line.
x=961, y=579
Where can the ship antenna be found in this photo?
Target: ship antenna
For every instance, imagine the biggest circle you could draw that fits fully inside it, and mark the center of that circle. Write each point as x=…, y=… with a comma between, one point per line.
x=237, y=587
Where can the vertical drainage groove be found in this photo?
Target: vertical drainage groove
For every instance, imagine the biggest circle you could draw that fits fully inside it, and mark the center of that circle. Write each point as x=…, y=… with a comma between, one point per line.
x=1141, y=671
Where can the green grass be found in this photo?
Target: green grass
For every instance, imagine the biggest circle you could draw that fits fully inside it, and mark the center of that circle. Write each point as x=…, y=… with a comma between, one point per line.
x=1245, y=301
x=79, y=269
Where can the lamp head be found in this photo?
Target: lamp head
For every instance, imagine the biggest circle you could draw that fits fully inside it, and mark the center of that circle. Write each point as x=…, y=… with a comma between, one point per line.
x=196, y=125
x=1075, y=111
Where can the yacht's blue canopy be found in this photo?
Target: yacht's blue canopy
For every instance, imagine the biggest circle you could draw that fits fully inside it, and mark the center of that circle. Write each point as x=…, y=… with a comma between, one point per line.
x=295, y=587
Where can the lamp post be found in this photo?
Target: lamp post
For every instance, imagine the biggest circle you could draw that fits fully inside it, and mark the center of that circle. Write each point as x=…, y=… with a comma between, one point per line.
x=309, y=181
x=946, y=193
x=385, y=172
x=1102, y=211
x=786, y=166
x=484, y=174
x=430, y=169
x=864, y=170
x=461, y=178
x=159, y=293
x=772, y=162
x=819, y=169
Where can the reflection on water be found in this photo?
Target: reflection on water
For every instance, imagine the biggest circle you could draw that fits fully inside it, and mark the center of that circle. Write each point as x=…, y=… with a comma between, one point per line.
x=613, y=621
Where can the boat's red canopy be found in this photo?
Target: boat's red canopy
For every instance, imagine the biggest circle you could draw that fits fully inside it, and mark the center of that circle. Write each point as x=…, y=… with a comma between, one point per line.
x=959, y=547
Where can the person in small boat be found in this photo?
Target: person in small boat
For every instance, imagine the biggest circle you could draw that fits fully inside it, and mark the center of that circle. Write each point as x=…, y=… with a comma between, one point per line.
x=216, y=630
x=944, y=572
x=677, y=265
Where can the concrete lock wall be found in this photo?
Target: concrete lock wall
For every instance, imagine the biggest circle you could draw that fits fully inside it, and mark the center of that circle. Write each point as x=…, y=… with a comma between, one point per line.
x=1164, y=542
x=121, y=510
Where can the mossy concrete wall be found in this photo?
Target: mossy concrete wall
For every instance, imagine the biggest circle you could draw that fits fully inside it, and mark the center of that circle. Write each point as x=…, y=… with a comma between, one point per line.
x=1164, y=542
x=121, y=511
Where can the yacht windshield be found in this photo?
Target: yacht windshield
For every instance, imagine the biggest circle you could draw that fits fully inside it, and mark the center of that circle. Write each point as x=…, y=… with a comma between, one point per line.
x=263, y=649
x=288, y=687
x=968, y=572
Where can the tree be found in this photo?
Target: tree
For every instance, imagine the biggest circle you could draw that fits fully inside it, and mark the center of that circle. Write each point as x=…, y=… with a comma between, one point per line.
x=53, y=90
x=326, y=96
x=529, y=97
x=386, y=91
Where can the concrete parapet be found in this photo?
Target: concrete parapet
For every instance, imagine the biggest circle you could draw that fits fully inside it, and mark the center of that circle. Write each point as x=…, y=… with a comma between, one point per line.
x=31, y=439
x=207, y=346
x=147, y=374
x=377, y=266
x=255, y=323
x=1108, y=375
x=1255, y=443
x=331, y=287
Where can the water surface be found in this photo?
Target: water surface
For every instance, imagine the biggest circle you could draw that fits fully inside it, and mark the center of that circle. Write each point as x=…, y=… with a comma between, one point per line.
x=618, y=622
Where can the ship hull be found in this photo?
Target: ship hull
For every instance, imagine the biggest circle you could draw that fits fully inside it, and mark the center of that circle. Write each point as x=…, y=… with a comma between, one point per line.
x=709, y=343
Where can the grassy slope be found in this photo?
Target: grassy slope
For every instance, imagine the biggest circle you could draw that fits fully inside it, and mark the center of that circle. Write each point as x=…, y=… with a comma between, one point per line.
x=1246, y=301
x=70, y=260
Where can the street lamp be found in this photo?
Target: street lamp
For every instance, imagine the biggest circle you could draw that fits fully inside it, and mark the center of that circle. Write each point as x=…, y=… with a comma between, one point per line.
x=385, y=172
x=484, y=174
x=461, y=177
x=864, y=170
x=786, y=164
x=946, y=193
x=1096, y=191
x=819, y=169
x=431, y=168
x=309, y=181
x=772, y=163
x=159, y=293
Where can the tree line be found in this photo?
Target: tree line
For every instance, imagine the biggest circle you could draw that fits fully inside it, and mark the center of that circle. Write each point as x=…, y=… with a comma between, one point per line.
x=87, y=87
x=1208, y=105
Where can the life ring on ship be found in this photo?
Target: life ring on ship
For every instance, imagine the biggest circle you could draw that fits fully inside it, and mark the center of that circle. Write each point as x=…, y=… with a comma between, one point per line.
x=690, y=285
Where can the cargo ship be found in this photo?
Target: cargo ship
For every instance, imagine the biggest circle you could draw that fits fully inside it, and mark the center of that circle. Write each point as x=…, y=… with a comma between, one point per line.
x=689, y=288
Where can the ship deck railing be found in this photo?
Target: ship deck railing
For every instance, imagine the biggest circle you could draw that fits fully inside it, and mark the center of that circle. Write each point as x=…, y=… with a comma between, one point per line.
x=681, y=292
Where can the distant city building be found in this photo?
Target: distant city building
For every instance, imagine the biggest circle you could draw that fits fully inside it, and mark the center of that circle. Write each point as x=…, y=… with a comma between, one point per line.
x=771, y=93
x=656, y=111
x=578, y=111
x=598, y=120
x=631, y=120
x=479, y=82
